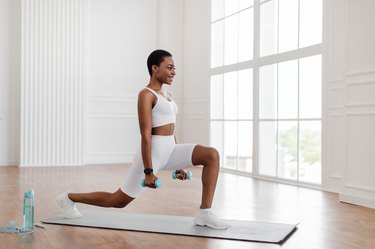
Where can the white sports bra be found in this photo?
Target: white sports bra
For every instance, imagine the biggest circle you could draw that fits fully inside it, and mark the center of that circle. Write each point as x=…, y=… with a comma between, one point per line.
x=164, y=112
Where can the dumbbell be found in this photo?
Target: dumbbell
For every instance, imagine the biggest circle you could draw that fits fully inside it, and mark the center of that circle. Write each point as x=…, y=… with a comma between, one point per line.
x=157, y=183
x=188, y=175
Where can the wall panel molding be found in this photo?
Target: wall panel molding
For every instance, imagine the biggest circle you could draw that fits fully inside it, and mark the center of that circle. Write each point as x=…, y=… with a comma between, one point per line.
x=361, y=93
x=111, y=106
x=360, y=38
x=112, y=158
x=53, y=82
x=336, y=177
x=194, y=105
x=105, y=115
x=360, y=113
x=111, y=98
x=360, y=187
x=195, y=117
x=363, y=72
x=336, y=97
x=193, y=110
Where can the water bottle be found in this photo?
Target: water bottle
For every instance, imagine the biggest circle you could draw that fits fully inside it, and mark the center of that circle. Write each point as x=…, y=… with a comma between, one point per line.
x=28, y=211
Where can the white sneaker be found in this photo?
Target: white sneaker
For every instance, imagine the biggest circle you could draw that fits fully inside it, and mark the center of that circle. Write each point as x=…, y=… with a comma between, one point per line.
x=70, y=209
x=206, y=218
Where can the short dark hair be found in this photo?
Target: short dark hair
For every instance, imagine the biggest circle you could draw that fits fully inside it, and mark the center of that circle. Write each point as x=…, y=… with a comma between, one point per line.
x=155, y=58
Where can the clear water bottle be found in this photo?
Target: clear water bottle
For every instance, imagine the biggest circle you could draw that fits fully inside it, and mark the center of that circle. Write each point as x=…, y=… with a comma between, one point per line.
x=28, y=211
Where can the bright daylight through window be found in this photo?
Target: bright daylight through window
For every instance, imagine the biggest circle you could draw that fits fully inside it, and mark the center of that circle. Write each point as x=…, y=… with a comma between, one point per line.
x=266, y=87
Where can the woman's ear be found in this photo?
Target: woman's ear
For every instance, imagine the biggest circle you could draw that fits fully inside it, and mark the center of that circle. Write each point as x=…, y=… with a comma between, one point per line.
x=154, y=68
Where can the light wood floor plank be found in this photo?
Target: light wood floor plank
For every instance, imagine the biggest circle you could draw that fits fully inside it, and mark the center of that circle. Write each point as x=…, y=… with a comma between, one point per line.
x=324, y=223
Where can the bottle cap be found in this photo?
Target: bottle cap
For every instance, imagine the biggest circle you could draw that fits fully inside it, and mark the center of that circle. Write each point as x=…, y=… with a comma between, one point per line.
x=29, y=194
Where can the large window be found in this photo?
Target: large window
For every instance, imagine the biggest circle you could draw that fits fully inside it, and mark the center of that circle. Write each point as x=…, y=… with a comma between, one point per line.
x=266, y=87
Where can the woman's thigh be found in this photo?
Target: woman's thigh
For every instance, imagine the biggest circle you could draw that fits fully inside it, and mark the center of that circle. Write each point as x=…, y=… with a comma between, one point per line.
x=182, y=157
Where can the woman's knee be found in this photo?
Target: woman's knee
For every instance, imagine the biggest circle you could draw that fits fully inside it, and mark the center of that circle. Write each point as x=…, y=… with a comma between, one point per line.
x=213, y=155
x=119, y=199
x=119, y=204
x=203, y=155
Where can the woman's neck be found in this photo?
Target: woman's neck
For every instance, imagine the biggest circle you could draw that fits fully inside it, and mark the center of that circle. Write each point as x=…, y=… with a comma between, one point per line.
x=157, y=86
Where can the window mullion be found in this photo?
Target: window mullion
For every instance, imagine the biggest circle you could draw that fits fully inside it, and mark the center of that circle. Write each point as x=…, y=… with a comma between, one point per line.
x=299, y=22
x=278, y=26
x=298, y=119
x=256, y=80
x=277, y=120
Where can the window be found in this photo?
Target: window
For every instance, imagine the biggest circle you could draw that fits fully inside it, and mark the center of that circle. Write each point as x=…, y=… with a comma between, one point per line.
x=266, y=80
x=231, y=31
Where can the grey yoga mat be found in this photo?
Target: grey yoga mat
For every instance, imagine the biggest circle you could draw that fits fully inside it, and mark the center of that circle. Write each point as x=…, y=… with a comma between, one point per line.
x=178, y=225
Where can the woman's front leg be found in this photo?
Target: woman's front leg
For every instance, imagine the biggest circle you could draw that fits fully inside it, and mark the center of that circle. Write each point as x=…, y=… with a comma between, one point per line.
x=209, y=158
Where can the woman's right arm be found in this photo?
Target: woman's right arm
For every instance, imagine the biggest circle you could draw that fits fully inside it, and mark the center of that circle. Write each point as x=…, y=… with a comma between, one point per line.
x=145, y=104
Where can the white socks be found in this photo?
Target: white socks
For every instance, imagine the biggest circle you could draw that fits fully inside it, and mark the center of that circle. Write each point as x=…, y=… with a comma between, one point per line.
x=206, y=218
x=70, y=209
x=205, y=210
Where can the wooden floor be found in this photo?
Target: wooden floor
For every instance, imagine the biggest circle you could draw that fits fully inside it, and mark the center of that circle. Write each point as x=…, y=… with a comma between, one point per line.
x=324, y=223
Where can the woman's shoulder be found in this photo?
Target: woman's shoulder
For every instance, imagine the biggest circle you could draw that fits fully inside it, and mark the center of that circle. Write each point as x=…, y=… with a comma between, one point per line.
x=145, y=91
x=146, y=94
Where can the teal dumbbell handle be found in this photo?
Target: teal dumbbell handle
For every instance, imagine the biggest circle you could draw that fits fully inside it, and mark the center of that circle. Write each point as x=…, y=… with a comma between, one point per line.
x=188, y=175
x=157, y=183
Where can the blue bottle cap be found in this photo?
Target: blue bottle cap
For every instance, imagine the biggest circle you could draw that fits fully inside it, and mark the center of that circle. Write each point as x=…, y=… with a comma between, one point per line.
x=29, y=194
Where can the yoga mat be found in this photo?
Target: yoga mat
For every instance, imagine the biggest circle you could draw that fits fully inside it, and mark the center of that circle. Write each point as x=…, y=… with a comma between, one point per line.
x=178, y=225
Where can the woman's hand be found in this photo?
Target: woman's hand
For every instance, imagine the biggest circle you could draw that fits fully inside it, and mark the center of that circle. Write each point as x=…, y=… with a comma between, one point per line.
x=150, y=180
x=181, y=174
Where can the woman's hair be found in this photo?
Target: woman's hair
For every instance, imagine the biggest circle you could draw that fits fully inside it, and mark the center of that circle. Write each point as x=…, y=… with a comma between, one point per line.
x=155, y=58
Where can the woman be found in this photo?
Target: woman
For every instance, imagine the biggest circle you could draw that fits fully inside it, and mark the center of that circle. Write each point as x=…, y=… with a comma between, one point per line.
x=157, y=117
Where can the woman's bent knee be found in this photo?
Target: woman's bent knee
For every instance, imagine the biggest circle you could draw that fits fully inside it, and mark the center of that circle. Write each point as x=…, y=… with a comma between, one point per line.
x=120, y=204
x=213, y=155
x=205, y=156
x=120, y=200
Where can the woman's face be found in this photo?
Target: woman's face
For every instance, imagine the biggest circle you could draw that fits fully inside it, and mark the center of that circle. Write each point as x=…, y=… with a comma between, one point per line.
x=166, y=71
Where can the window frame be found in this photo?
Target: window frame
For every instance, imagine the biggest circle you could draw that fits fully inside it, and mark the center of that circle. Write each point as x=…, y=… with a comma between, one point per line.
x=255, y=64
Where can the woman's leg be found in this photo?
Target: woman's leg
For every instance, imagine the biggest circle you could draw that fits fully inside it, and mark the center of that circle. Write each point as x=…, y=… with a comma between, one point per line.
x=67, y=201
x=117, y=199
x=209, y=158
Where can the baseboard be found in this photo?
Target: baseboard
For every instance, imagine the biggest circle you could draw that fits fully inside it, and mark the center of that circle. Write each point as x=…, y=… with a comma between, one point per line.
x=366, y=202
x=8, y=163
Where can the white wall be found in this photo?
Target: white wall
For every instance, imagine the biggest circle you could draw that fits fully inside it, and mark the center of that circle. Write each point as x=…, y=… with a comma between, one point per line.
x=196, y=81
x=117, y=37
x=10, y=59
x=121, y=35
x=170, y=36
x=94, y=76
x=118, y=50
x=350, y=92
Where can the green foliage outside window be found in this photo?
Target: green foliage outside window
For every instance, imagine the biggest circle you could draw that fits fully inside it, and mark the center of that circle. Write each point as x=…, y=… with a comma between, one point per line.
x=309, y=144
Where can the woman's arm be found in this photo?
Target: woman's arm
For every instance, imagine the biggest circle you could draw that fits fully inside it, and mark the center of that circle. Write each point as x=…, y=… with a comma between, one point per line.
x=145, y=103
